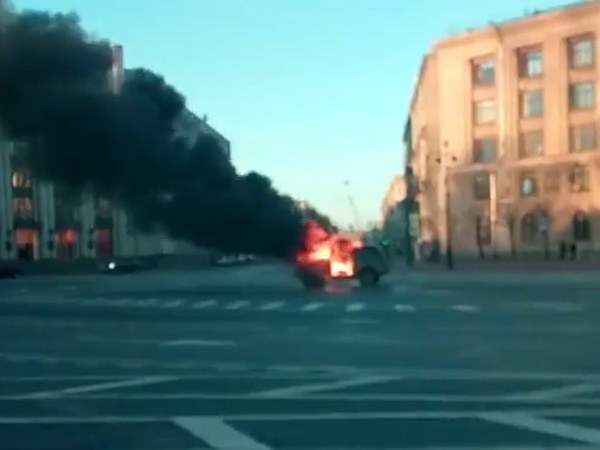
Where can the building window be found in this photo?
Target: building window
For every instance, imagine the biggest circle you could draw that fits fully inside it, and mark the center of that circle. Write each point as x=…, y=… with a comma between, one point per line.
x=23, y=208
x=485, y=111
x=484, y=150
x=582, y=95
x=532, y=144
x=582, y=52
x=579, y=179
x=529, y=186
x=66, y=243
x=484, y=72
x=583, y=137
x=552, y=181
x=532, y=103
x=582, y=230
x=481, y=186
x=530, y=62
x=21, y=179
x=483, y=231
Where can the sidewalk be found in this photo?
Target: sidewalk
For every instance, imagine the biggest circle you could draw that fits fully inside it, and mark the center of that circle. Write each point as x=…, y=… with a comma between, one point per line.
x=502, y=273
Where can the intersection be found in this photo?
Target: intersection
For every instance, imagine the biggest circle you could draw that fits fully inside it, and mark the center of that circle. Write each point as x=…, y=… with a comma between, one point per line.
x=189, y=361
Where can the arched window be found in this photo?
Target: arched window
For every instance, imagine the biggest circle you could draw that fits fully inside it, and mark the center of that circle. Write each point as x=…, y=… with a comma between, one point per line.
x=581, y=227
x=20, y=179
x=529, y=228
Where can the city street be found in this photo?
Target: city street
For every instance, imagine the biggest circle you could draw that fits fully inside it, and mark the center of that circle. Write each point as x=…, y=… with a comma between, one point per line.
x=242, y=358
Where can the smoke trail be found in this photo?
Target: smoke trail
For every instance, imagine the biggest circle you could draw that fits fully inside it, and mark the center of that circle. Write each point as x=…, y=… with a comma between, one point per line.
x=55, y=96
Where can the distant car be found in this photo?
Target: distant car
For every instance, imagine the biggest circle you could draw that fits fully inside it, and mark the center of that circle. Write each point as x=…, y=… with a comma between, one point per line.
x=10, y=272
x=115, y=267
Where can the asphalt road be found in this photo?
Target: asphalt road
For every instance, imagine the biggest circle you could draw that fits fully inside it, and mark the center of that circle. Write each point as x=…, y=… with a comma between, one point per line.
x=244, y=359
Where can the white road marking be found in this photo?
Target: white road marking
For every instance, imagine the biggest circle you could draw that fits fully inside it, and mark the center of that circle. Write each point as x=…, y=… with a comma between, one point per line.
x=173, y=304
x=465, y=308
x=557, y=393
x=198, y=343
x=271, y=306
x=120, y=302
x=100, y=387
x=355, y=307
x=312, y=306
x=404, y=308
x=316, y=387
x=217, y=434
x=545, y=426
x=237, y=305
x=145, y=303
x=204, y=304
x=382, y=415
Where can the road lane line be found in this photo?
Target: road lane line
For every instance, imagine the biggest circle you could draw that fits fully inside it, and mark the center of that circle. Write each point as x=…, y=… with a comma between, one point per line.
x=237, y=305
x=312, y=306
x=465, y=308
x=173, y=304
x=204, y=304
x=216, y=433
x=404, y=308
x=271, y=306
x=198, y=343
x=545, y=426
x=100, y=387
x=311, y=416
x=317, y=387
x=556, y=393
x=355, y=307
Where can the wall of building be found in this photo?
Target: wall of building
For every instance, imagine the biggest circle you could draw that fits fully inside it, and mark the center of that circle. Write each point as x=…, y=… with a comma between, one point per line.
x=444, y=133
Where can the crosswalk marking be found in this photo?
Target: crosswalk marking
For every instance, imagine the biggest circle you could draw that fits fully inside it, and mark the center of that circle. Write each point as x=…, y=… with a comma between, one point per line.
x=173, y=304
x=404, y=308
x=237, y=305
x=312, y=306
x=355, y=307
x=271, y=306
x=204, y=304
x=465, y=308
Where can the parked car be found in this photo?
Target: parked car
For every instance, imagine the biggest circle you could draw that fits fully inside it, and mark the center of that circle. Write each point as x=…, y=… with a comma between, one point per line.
x=10, y=272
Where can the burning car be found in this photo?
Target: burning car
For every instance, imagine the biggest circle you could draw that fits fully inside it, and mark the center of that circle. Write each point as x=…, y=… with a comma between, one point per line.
x=330, y=256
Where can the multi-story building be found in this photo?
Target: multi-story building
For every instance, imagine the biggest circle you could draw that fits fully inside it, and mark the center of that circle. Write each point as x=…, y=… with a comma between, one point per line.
x=39, y=220
x=504, y=135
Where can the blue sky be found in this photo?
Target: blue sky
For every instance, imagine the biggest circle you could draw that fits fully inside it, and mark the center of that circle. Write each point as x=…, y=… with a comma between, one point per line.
x=310, y=92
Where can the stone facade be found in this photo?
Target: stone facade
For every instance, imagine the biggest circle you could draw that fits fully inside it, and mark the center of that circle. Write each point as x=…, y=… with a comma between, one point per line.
x=504, y=135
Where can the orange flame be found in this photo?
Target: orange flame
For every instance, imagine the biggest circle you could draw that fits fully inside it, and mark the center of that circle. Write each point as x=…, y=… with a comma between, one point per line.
x=335, y=248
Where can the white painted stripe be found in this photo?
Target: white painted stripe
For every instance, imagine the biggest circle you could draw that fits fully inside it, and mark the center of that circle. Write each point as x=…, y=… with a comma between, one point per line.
x=237, y=305
x=146, y=303
x=316, y=387
x=355, y=307
x=120, y=302
x=545, y=426
x=397, y=415
x=100, y=387
x=218, y=434
x=465, y=308
x=556, y=393
x=198, y=343
x=312, y=306
x=322, y=397
x=404, y=308
x=204, y=304
x=173, y=304
x=271, y=306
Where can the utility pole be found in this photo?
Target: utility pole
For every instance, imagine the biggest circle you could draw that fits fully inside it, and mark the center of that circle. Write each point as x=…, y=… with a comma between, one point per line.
x=448, y=200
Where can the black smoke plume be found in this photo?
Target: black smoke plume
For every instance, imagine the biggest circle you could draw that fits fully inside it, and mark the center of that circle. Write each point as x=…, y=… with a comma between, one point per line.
x=55, y=95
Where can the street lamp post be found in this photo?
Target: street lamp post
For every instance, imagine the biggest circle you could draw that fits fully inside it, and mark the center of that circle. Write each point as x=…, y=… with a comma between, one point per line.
x=449, y=254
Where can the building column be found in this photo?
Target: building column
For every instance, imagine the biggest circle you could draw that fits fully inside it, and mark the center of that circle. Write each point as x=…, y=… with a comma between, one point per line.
x=6, y=208
x=44, y=205
x=122, y=241
x=87, y=243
